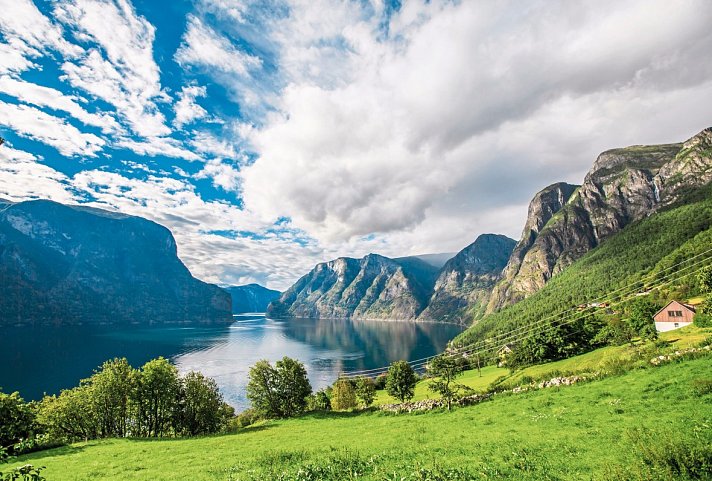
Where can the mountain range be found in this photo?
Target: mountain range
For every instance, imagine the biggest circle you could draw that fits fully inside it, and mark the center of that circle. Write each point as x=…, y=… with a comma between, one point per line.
x=251, y=298
x=564, y=223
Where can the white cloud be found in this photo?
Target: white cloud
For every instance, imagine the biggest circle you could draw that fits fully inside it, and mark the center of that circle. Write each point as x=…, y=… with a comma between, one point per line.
x=21, y=178
x=207, y=143
x=222, y=175
x=204, y=47
x=157, y=146
x=122, y=71
x=48, y=97
x=465, y=110
x=186, y=109
x=37, y=125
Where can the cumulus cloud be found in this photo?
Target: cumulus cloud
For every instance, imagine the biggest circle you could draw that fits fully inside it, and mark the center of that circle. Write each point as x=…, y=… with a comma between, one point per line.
x=22, y=178
x=37, y=125
x=464, y=110
x=153, y=146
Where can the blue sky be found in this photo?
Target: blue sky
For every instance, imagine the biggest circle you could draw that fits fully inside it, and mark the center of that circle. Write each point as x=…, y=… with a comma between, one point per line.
x=271, y=135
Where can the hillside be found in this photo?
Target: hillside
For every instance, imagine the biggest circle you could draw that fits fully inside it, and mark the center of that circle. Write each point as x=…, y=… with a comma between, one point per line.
x=624, y=186
x=633, y=258
x=374, y=287
x=68, y=264
x=251, y=298
x=615, y=428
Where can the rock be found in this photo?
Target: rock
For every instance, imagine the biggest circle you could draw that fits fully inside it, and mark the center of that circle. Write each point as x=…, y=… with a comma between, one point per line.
x=465, y=282
x=624, y=185
x=68, y=264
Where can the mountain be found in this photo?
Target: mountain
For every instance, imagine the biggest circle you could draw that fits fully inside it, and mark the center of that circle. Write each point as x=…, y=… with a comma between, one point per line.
x=69, y=264
x=435, y=260
x=374, y=287
x=623, y=186
x=251, y=298
x=465, y=281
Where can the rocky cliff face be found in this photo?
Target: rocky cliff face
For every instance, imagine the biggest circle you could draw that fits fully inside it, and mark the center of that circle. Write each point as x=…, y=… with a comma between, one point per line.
x=624, y=185
x=463, y=287
x=63, y=265
x=251, y=298
x=374, y=287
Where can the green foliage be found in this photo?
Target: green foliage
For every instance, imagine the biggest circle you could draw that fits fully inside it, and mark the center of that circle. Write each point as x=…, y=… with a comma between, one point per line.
x=16, y=419
x=401, y=381
x=202, y=408
x=27, y=472
x=247, y=418
x=119, y=401
x=705, y=279
x=343, y=395
x=320, y=400
x=641, y=313
x=280, y=391
x=702, y=386
x=445, y=369
x=156, y=397
x=293, y=386
x=365, y=390
x=702, y=319
x=671, y=456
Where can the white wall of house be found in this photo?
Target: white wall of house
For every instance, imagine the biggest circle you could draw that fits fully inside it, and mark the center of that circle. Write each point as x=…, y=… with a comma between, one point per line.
x=670, y=326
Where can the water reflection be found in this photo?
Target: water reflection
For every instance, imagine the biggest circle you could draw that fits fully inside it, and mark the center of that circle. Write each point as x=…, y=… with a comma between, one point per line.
x=38, y=359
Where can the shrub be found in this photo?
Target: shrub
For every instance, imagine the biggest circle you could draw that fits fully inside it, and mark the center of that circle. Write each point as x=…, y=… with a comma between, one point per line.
x=380, y=381
x=247, y=418
x=401, y=381
x=702, y=319
x=343, y=395
x=320, y=401
x=365, y=390
x=17, y=419
x=24, y=473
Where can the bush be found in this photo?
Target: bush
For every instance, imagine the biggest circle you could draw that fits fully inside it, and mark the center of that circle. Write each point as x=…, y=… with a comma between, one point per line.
x=365, y=390
x=279, y=391
x=380, y=381
x=343, y=395
x=18, y=420
x=401, y=381
x=320, y=400
x=702, y=319
x=247, y=418
x=24, y=473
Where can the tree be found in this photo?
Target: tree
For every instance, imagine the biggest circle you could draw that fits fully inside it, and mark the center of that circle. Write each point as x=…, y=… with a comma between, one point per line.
x=280, y=391
x=69, y=416
x=293, y=387
x=110, y=390
x=156, y=397
x=705, y=279
x=365, y=390
x=343, y=395
x=17, y=419
x=641, y=320
x=445, y=369
x=202, y=410
x=401, y=381
x=320, y=401
x=262, y=389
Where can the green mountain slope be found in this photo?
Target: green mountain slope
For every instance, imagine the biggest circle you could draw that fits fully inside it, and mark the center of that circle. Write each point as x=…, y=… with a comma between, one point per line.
x=638, y=254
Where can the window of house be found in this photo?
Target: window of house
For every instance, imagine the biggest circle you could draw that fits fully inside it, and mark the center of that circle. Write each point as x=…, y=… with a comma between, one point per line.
x=677, y=324
x=678, y=313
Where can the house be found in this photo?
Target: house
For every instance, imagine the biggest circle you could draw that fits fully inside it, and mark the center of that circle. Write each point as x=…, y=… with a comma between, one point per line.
x=674, y=316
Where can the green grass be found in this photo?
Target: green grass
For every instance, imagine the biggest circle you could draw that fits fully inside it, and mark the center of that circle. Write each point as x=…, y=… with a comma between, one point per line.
x=574, y=433
x=589, y=362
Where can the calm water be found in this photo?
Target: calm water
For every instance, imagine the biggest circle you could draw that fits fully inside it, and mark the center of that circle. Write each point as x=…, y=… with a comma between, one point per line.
x=34, y=360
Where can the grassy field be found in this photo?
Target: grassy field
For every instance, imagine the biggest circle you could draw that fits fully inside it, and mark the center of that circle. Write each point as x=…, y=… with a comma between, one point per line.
x=587, y=431
x=586, y=363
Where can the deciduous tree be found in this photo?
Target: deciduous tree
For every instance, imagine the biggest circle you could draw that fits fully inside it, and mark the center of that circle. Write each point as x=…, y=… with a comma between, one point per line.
x=401, y=381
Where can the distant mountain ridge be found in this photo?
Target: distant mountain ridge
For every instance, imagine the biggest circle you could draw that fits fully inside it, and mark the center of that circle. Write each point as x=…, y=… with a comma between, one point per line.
x=71, y=264
x=251, y=298
x=374, y=287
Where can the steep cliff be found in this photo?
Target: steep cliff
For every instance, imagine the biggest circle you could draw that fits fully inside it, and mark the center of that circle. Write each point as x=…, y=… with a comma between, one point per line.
x=465, y=282
x=624, y=185
x=67, y=264
x=374, y=287
x=251, y=298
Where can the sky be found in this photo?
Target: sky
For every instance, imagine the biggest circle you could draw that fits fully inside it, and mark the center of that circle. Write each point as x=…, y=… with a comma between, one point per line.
x=272, y=135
